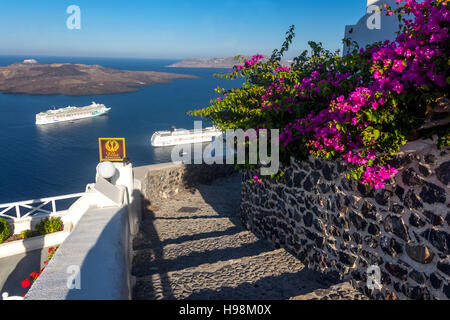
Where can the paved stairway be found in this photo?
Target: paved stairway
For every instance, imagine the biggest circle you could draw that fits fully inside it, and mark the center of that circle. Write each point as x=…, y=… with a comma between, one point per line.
x=193, y=246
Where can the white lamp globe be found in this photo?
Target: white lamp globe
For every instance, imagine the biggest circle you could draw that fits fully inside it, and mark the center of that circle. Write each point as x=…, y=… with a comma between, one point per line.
x=106, y=169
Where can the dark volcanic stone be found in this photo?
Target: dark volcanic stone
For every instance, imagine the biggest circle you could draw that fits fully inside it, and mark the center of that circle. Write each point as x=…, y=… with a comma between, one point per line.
x=446, y=290
x=391, y=247
x=356, y=275
x=444, y=267
x=417, y=276
x=336, y=221
x=368, y=210
x=329, y=173
x=398, y=209
x=350, y=184
x=434, y=219
x=317, y=212
x=424, y=170
x=436, y=282
x=334, y=231
x=289, y=182
x=298, y=178
x=412, y=201
x=400, y=161
x=364, y=190
x=310, y=235
x=372, y=258
x=279, y=190
x=397, y=287
x=431, y=193
x=443, y=173
x=307, y=185
x=396, y=226
x=317, y=164
x=405, y=289
x=292, y=201
x=341, y=167
x=315, y=176
x=318, y=225
x=371, y=242
x=419, y=253
x=396, y=270
x=430, y=159
x=308, y=219
x=399, y=191
x=348, y=200
x=415, y=220
x=374, y=229
x=346, y=236
x=357, y=221
x=356, y=237
x=324, y=188
x=410, y=177
x=320, y=242
x=385, y=278
x=419, y=293
x=347, y=259
x=439, y=239
x=382, y=197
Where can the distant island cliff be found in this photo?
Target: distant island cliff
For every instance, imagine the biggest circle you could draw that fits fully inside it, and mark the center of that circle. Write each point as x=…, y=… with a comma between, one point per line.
x=31, y=77
x=225, y=63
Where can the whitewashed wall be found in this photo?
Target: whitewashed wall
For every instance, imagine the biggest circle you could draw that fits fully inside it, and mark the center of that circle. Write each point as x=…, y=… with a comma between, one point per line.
x=361, y=32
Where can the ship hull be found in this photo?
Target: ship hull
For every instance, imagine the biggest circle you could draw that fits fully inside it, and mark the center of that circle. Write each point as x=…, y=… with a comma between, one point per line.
x=172, y=140
x=72, y=118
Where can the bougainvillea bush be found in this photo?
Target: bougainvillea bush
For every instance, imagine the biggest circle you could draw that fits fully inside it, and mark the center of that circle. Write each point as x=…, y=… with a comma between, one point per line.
x=360, y=107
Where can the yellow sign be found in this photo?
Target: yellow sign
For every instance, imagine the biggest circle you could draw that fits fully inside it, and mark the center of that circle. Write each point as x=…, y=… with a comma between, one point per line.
x=112, y=149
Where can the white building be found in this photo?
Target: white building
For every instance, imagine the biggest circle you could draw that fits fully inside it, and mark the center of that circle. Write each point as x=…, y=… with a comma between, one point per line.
x=29, y=61
x=374, y=26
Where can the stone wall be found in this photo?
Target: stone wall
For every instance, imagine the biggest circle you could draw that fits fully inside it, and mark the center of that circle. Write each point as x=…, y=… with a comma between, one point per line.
x=161, y=181
x=341, y=227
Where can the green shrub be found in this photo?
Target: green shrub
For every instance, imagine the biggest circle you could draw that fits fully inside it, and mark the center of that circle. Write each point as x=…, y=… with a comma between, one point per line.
x=25, y=234
x=49, y=225
x=360, y=107
x=4, y=230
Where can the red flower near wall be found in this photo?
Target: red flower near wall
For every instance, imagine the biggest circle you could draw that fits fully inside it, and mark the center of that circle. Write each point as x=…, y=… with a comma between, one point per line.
x=26, y=283
x=35, y=275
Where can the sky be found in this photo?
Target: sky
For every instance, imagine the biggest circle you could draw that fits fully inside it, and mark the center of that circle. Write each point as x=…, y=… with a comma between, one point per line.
x=172, y=29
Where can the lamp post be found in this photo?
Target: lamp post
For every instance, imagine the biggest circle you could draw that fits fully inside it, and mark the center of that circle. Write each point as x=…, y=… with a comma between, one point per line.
x=106, y=170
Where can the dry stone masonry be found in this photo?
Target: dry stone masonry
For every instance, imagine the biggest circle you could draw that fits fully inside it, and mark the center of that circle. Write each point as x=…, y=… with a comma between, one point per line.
x=192, y=245
x=341, y=227
x=164, y=183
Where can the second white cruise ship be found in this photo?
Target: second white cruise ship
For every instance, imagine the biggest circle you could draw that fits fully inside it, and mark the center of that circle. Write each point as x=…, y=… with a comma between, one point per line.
x=183, y=136
x=71, y=113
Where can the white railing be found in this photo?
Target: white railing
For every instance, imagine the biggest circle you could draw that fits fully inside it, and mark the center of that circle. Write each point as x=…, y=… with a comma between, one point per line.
x=36, y=206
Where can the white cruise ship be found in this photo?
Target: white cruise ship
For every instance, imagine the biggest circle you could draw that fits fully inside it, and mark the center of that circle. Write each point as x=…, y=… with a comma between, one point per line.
x=71, y=113
x=183, y=136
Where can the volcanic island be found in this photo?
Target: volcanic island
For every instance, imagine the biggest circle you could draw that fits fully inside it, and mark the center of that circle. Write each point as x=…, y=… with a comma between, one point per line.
x=30, y=77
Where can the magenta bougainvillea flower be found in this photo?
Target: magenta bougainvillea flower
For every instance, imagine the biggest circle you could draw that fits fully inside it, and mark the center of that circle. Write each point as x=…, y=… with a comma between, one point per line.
x=359, y=107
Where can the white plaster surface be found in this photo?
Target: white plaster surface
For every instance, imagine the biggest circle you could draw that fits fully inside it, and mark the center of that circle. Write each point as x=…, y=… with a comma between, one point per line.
x=100, y=246
x=360, y=33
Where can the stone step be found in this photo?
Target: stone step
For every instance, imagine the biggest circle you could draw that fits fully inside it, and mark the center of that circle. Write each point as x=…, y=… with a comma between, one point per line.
x=197, y=252
x=274, y=274
x=194, y=246
x=162, y=232
x=340, y=291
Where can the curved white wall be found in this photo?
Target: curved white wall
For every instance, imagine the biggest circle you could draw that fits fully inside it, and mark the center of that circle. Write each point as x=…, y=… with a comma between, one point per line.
x=361, y=33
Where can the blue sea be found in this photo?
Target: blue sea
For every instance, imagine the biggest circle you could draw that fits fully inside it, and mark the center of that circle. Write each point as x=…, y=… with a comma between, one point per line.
x=57, y=159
